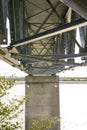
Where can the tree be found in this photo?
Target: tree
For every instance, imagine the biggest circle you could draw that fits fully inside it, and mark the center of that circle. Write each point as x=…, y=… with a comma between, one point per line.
x=9, y=109
x=44, y=123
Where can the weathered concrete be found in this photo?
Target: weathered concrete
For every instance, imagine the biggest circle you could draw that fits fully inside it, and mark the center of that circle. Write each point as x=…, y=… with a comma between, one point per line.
x=44, y=98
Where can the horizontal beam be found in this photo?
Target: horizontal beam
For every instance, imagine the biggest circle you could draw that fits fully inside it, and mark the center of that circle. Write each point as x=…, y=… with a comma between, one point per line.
x=40, y=59
x=52, y=32
x=72, y=56
x=45, y=57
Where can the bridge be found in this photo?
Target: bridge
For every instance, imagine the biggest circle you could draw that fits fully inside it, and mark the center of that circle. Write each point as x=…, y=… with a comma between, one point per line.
x=40, y=37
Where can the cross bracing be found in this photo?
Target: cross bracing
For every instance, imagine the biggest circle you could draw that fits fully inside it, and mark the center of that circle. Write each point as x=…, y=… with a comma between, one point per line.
x=43, y=34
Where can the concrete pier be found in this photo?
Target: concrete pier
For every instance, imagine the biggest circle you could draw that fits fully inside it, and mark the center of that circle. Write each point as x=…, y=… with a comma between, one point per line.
x=44, y=98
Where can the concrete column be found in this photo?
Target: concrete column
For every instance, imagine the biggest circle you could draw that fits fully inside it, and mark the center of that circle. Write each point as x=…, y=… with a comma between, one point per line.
x=44, y=98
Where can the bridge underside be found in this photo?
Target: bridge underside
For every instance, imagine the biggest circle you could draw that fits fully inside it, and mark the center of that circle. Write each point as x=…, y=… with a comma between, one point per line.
x=41, y=36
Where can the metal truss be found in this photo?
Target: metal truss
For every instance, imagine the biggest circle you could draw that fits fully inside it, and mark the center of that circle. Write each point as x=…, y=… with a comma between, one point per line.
x=43, y=35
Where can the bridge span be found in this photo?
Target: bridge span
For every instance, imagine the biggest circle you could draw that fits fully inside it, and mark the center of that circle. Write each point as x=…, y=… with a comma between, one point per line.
x=40, y=38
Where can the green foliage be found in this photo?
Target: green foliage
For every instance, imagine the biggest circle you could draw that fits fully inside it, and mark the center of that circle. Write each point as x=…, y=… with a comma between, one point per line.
x=44, y=123
x=10, y=109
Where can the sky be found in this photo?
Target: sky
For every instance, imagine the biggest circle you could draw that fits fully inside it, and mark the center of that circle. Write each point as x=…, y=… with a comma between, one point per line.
x=76, y=72
x=8, y=70
x=73, y=105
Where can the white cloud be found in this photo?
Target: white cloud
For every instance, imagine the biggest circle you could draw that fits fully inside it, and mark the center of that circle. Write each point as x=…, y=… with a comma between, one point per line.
x=8, y=70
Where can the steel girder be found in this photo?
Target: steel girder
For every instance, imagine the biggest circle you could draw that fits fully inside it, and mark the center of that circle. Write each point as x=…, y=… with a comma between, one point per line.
x=79, y=6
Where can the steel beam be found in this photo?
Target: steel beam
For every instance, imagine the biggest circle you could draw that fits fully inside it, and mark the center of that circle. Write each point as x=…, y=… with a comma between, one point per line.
x=47, y=59
x=38, y=13
x=79, y=6
x=27, y=57
x=52, y=32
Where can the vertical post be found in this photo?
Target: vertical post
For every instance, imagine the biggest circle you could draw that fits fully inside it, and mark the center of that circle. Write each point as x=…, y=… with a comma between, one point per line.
x=44, y=98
